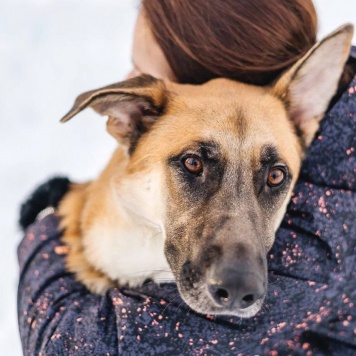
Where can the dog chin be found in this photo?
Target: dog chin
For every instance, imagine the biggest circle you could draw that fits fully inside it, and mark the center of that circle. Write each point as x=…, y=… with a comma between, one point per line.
x=203, y=304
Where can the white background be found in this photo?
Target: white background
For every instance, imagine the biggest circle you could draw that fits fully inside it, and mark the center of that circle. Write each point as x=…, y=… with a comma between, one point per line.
x=50, y=51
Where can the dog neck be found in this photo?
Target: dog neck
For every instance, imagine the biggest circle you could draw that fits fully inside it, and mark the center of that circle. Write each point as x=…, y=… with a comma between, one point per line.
x=119, y=223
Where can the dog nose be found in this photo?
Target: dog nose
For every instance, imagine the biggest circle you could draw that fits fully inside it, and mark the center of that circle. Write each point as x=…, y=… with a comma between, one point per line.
x=235, y=289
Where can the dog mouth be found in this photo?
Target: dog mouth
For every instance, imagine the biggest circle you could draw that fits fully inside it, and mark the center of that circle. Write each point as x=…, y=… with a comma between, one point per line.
x=237, y=293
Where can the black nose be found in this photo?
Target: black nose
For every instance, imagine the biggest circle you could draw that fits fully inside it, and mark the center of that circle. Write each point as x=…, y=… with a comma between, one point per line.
x=232, y=288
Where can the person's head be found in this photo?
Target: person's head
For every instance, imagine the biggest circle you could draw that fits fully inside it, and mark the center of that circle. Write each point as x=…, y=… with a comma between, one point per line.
x=252, y=41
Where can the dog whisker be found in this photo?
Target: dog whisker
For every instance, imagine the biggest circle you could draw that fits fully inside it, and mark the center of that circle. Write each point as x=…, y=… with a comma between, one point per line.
x=266, y=309
x=277, y=287
x=150, y=221
x=183, y=322
x=188, y=312
x=180, y=306
x=169, y=303
x=144, y=271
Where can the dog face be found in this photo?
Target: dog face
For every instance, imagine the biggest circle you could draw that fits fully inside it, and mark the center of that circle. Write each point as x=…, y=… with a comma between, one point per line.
x=227, y=175
x=214, y=166
x=227, y=182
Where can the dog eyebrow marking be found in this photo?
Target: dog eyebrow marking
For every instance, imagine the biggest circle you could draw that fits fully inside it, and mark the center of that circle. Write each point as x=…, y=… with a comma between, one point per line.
x=269, y=155
x=208, y=149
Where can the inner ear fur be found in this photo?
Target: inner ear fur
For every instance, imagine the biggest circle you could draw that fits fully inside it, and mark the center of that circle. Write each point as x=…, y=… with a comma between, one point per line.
x=308, y=87
x=132, y=106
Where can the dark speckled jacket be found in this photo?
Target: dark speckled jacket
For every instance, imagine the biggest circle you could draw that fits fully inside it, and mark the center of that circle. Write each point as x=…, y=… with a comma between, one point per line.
x=311, y=304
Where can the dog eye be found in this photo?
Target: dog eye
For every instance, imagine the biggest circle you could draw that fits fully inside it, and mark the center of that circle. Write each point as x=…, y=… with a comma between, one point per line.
x=193, y=165
x=276, y=177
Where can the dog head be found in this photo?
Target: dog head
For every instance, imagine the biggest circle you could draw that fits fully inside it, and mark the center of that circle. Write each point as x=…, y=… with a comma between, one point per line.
x=214, y=166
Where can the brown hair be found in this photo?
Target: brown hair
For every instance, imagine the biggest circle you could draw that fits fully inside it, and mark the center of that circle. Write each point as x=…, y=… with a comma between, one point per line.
x=252, y=41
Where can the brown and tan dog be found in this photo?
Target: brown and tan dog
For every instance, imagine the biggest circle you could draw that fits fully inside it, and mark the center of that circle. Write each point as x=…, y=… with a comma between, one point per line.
x=200, y=181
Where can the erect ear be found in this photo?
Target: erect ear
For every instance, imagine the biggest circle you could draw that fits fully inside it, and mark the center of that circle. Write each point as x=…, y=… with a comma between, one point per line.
x=132, y=106
x=308, y=87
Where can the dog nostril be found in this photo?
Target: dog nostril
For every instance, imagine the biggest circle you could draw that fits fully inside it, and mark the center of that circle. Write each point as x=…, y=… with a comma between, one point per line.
x=249, y=298
x=237, y=295
x=222, y=294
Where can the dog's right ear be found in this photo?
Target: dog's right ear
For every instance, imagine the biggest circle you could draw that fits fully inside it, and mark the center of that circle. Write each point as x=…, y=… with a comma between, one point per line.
x=307, y=88
x=132, y=106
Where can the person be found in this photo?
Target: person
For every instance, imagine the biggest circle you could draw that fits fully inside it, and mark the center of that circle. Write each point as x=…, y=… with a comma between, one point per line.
x=310, y=306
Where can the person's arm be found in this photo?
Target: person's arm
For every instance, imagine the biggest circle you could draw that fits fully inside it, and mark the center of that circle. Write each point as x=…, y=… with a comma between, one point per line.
x=57, y=315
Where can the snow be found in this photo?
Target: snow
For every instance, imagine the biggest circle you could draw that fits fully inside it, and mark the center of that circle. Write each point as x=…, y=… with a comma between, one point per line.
x=50, y=51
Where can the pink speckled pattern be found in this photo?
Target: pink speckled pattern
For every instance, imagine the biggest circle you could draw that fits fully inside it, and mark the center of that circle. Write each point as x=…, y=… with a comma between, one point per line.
x=311, y=304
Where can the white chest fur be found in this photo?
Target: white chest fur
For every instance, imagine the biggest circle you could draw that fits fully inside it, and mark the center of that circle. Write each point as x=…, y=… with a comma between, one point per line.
x=128, y=245
x=129, y=255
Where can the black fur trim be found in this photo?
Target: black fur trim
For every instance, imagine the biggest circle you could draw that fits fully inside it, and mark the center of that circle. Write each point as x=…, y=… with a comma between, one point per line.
x=47, y=194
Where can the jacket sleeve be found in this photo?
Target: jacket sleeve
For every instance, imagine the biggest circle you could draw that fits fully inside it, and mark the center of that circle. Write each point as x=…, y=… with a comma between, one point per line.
x=57, y=315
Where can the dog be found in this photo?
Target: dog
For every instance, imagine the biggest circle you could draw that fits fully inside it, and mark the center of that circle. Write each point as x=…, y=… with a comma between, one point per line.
x=200, y=180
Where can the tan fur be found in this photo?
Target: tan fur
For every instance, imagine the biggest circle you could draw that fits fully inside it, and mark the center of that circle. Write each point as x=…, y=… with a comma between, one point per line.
x=70, y=211
x=77, y=210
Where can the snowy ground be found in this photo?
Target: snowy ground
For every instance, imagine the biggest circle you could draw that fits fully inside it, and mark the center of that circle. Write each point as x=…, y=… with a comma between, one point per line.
x=50, y=51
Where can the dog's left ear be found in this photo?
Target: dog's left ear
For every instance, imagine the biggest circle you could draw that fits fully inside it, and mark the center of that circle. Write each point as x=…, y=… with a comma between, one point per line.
x=308, y=87
x=132, y=106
